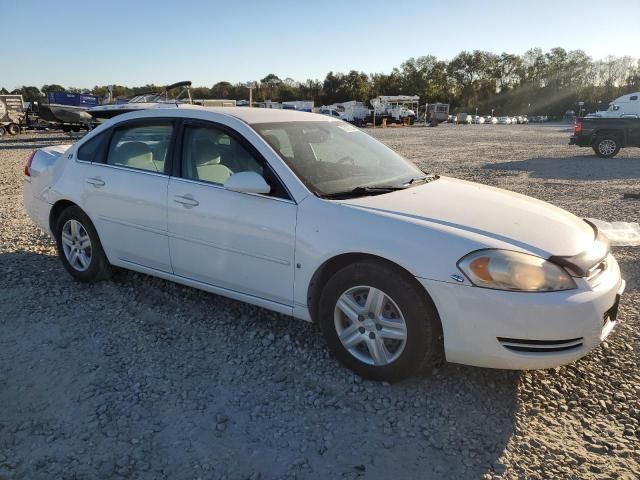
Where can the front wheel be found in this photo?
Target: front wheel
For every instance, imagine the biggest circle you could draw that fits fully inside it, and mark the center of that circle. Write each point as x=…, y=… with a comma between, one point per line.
x=13, y=129
x=79, y=247
x=606, y=147
x=378, y=322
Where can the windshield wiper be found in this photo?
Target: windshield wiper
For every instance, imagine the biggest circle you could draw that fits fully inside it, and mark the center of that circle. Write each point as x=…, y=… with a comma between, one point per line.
x=429, y=177
x=362, y=190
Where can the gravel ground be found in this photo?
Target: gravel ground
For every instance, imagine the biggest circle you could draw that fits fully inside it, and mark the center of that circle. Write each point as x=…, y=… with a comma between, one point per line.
x=141, y=378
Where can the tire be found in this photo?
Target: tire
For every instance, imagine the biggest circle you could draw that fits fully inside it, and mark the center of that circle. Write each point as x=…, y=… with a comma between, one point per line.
x=75, y=128
x=13, y=129
x=90, y=264
x=606, y=146
x=412, y=332
x=66, y=128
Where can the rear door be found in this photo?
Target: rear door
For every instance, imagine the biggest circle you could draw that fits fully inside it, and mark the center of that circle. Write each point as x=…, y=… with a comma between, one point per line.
x=125, y=192
x=238, y=241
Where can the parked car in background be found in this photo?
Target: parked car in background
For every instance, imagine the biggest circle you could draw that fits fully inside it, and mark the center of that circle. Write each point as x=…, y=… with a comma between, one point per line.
x=464, y=118
x=606, y=135
x=514, y=120
x=330, y=112
x=309, y=216
x=504, y=121
x=489, y=120
x=477, y=119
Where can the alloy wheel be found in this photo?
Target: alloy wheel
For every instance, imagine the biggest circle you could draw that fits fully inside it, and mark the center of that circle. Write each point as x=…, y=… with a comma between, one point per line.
x=607, y=147
x=76, y=245
x=370, y=325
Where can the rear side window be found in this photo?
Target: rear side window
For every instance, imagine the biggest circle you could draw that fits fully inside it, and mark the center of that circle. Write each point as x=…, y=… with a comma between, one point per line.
x=141, y=147
x=633, y=97
x=90, y=149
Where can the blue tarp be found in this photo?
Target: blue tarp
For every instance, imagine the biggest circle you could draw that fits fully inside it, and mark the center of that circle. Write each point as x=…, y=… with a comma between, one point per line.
x=74, y=99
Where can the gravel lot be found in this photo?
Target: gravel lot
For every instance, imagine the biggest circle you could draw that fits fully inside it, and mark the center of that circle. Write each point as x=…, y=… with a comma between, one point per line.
x=142, y=378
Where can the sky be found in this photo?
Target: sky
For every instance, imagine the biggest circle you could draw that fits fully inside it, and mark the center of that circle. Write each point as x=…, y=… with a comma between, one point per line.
x=137, y=42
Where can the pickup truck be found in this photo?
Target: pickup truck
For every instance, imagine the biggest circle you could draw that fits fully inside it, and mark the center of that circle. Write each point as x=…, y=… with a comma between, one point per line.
x=606, y=135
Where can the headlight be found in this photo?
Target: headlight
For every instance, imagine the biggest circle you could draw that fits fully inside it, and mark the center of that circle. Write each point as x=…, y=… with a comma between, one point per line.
x=507, y=270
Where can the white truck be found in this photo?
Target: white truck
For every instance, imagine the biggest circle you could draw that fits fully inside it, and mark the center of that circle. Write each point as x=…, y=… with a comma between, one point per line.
x=395, y=108
x=11, y=114
x=626, y=106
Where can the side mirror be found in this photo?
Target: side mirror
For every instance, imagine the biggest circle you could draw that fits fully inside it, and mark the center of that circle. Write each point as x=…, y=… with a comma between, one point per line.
x=247, y=182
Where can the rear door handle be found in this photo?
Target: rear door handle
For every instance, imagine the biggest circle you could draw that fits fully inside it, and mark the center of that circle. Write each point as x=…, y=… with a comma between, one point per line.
x=96, y=181
x=186, y=200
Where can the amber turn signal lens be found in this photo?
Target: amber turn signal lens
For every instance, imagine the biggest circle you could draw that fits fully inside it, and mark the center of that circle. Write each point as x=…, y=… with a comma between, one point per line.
x=480, y=266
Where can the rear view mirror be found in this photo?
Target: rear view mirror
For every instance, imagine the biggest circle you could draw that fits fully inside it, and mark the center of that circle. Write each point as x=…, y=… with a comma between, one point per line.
x=247, y=182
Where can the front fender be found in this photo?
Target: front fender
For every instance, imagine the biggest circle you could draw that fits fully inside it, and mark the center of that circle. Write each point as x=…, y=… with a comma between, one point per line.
x=328, y=229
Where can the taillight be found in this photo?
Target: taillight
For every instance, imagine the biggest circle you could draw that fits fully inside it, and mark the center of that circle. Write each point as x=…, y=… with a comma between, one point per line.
x=27, y=166
x=578, y=127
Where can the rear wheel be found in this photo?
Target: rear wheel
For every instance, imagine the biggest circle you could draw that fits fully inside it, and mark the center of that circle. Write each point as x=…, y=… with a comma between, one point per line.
x=606, y=147
x=378, y=322
x=66, y=128
x=13, y=129
x=79, y=247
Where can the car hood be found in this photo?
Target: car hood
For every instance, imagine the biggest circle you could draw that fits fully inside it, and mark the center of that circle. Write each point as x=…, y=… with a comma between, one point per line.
x=493, y=217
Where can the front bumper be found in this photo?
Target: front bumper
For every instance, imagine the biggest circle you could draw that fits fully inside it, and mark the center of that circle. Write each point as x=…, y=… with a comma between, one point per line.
x=514, y=330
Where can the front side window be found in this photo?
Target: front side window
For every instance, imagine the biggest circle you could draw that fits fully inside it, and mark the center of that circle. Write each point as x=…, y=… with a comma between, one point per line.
x=141, y=147
x=332, y=157
x=211, y=155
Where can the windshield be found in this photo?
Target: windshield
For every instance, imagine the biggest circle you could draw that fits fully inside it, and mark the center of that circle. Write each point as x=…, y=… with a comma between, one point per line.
x=332, y=157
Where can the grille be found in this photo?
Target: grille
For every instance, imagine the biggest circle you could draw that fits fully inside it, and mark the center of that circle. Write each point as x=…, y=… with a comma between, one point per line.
x=540, y=346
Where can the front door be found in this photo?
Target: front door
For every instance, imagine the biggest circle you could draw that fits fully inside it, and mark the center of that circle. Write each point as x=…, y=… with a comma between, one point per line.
x=126, y=194
x=237, y=241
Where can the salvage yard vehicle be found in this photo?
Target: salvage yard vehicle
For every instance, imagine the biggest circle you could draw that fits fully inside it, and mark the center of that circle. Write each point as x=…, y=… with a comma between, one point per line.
x=11, y=114
x=606, y=135
x=309, y=216
x=624, y=106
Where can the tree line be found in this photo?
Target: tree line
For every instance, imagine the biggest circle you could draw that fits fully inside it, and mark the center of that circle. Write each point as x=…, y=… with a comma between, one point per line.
x=535, y=83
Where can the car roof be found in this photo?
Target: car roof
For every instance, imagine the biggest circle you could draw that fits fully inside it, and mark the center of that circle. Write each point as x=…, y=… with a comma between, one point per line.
x=262, y=115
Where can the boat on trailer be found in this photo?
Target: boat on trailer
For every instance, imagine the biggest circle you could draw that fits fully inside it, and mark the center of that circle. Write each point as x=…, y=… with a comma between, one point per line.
x=144, y=101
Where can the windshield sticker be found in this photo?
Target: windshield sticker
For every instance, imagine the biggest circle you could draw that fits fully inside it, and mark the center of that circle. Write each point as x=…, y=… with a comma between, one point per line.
x=348, y=128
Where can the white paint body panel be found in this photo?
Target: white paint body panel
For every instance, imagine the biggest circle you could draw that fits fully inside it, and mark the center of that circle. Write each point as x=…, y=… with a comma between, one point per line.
x=265, y=251
x=130, y=213
x=237, y=241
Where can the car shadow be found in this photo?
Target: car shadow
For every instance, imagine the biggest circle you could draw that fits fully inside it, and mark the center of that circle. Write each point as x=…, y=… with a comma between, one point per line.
x=269, y=374
x=574, y=168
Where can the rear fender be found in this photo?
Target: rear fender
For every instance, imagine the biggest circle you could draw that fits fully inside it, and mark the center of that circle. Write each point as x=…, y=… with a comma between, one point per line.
x=46, y=162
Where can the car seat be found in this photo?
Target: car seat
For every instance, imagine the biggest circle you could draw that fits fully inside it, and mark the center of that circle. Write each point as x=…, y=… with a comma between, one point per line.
x=136, y=155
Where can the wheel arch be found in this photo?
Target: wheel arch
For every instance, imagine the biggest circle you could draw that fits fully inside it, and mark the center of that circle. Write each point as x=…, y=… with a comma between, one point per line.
x=330, y=266
x=618, y=134
x=57, y=209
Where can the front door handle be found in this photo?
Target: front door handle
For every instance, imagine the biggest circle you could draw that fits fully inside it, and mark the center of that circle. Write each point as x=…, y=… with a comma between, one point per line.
x=96, y=181
x=186, y=200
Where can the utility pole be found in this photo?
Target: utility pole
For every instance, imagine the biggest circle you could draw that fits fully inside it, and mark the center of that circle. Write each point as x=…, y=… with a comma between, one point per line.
x=251, y=86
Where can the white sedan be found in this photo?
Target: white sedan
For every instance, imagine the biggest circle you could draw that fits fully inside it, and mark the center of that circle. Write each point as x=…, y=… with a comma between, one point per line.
x=309, y=216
